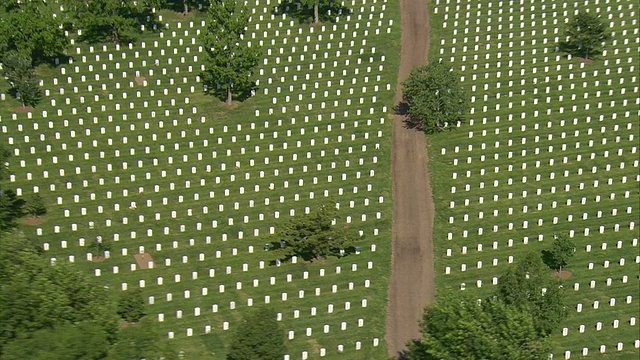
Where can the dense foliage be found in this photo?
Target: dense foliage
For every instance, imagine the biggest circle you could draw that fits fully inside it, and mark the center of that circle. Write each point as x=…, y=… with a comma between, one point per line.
x=586, y=34
x=259, y=337
x=434, y=98
x=562, y=249
x=229, y=60
x=314, y=236
x=514, y=323
x=30, y=29
x=460, y=327
x=17, y=69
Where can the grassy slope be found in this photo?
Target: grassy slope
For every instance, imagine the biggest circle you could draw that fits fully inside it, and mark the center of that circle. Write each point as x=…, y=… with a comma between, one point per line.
x=541, y=133
x=105, y=187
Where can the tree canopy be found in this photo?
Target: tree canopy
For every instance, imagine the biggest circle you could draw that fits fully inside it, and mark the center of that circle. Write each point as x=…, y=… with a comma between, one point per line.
x=17, y=69
x=29, y=28
x=259, y=337
x=35, y=295
x=434, y=98
x=229, y=60
x=112, y=20
x=562, y=249
x=529, y=286
x=313, y=236
x=586, y=34
x=460, y=327
x=131, y=305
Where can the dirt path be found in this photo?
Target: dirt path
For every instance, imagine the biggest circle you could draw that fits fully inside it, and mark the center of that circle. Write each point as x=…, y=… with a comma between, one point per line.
x=412, y=283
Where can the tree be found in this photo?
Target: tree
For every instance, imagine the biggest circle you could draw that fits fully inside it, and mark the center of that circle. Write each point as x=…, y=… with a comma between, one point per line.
x=459, y=327
x=562, y=249
x=259, y=337
x=20, y=75
x=434, y=97
x=229, y=60
x=102, y=244
x=586, y=34
x=131, y=306
x=35, y=295
x=34, y=205
x=111, y=20
x=28, y=27
x=313, y=236
x=66, y=341
x=528, y=286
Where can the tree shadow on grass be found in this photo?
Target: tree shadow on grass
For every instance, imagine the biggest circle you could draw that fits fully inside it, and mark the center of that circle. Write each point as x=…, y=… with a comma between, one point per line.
x=547, y=258
x=288, y=254
x=327, y=12
x=572, y=49
x=238, y=94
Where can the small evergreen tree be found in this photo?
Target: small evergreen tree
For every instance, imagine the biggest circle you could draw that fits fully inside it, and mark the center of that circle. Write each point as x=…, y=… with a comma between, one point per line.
x=259, y=337
x=586, y=34
x=229, y=61
x=34, y=205
x=102, y=244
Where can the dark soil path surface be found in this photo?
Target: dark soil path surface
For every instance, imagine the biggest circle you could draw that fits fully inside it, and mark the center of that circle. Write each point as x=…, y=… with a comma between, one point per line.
x=412, y=284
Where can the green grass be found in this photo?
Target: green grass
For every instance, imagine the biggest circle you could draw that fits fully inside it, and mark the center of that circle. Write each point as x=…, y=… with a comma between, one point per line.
x=204, y=176
x=545, y=137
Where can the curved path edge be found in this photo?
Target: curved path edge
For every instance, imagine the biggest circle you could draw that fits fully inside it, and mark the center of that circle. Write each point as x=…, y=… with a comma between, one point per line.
x=412, y=283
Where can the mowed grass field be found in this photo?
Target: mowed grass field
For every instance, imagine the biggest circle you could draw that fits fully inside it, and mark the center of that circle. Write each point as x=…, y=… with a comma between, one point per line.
x=550, y=147
x=127, y=147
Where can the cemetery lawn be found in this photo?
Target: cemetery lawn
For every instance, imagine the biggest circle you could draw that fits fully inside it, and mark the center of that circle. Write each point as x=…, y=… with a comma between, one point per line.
x=550, y=147
x=127, y=147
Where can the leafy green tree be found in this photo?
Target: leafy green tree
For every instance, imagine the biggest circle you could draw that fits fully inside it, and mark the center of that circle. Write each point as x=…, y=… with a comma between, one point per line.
x=85, y=340
x=112, y=20
x=19, y=73
x=259, y=337
x=313, y=236
x=528, y=286
x=562, y=249
x=434, y=98
x=28, y=27
x=586, y=34
x=35, y=295
x=131, y=305
x=460, y=327
x=34, y=205
x=229, y=60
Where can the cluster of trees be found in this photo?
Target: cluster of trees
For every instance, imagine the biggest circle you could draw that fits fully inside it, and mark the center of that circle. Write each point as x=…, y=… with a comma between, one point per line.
x=56, y=312
x=513, y=323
